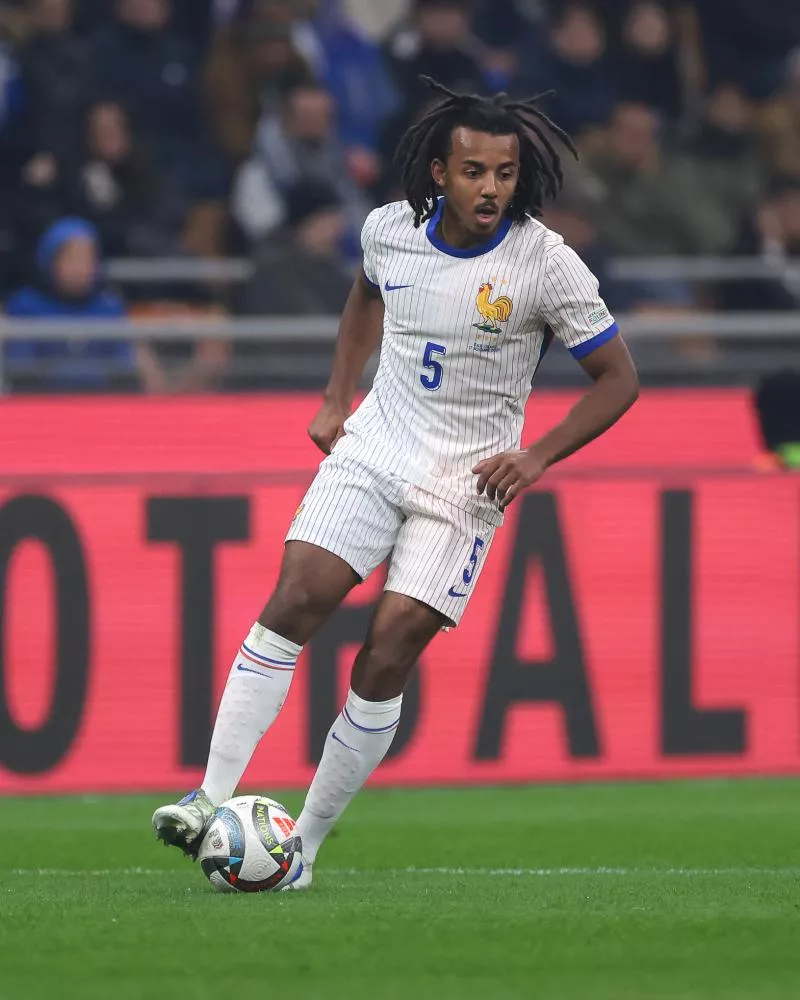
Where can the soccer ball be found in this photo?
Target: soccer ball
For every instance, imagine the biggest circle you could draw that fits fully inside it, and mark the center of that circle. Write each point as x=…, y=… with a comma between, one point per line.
x=251, y=846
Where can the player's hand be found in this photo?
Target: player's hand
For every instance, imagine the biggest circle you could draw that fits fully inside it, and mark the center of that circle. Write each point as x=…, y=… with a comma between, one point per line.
x=328, y=426
x=506, y=475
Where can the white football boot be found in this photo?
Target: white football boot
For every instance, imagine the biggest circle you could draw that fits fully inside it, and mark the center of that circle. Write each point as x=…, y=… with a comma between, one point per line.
x=184, y=823
x=303, y=880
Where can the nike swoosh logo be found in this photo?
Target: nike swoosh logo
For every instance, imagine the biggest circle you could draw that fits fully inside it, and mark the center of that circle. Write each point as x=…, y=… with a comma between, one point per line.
x=249, y=670
x=346, y=745
x=452, y=592
x=394, y=288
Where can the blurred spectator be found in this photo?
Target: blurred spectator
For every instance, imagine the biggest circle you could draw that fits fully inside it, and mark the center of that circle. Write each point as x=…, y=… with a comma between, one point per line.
x=512, y=33
x=153, y=72
x=193, y=19
x=270, y=48
x=180, y=365
x=254, y=62
x=10, y=80
x=12, y=30
x=772, y=233
x=388, y=187
x=573, y=64
x=748, y=40
x=436, y=42
x=646, y=67
x=501, y=24
x=39, y=193
x=14, y=20
x=354, y=71
x=574, y=216
x=651, y=204
x=297, y=145
x=55, y=84
x=377, y=20
x=56, y=79
x=120, y=193
x=299, y=272
x=299, y=269
x=777, y=402
x=70, y=287
x=779, y=123
x=723, y=166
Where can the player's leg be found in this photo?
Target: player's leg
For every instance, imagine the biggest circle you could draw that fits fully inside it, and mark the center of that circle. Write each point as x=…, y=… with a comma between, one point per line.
x=311, y=585
x=437, y=559
x=363, y=731
x=345, y=527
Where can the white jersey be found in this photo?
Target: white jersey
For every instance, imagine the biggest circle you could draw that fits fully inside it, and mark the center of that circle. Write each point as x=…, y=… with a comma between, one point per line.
x=464, y=332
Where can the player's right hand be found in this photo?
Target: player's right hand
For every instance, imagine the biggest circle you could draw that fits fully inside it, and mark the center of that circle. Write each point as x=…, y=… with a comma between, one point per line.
x=327, y=426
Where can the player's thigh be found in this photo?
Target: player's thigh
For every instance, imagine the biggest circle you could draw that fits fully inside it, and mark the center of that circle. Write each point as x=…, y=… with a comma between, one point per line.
x=439, y=555
x=349, y=512
x=312, y=583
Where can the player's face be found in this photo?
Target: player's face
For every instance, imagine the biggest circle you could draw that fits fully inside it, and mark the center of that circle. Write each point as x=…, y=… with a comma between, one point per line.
x=478, y=180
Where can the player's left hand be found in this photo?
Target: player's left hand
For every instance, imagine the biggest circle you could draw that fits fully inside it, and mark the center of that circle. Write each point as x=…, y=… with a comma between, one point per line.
x=506, y=475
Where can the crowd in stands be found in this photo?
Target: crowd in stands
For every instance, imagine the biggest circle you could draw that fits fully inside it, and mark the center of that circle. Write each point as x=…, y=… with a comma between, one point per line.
x=147, y=128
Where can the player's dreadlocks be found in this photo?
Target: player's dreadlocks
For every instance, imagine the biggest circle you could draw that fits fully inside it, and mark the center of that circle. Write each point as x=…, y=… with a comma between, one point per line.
x=540, y=173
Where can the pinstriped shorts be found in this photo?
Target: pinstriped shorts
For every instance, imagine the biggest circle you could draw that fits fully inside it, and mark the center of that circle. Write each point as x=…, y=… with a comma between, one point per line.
x=363, y=515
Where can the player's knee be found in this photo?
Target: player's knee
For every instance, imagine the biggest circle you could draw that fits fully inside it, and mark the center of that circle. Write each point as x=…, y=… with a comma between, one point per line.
x=297, y=607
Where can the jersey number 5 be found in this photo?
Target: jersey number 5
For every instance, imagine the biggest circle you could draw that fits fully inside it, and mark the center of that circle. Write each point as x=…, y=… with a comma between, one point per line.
x=429, y=362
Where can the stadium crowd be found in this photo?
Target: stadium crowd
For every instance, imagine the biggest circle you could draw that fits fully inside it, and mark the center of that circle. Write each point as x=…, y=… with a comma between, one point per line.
x=148, y=128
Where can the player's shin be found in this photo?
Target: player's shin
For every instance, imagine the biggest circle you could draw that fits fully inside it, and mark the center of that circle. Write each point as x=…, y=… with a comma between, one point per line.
x=254, y=694
x=357, y=742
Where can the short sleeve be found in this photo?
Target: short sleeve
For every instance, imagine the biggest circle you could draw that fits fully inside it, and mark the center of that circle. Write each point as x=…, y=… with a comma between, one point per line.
x=370, y=259
x=571, y=304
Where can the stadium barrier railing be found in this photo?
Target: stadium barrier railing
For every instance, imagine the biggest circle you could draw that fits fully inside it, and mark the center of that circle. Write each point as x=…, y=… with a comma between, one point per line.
x=691, y=269
x=687, y=348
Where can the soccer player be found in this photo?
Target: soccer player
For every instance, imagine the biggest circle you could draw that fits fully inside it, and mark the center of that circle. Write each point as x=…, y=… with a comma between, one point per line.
x=464, y=290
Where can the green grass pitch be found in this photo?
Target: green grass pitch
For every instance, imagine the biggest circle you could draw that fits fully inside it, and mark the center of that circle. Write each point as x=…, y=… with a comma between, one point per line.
x=680, y=891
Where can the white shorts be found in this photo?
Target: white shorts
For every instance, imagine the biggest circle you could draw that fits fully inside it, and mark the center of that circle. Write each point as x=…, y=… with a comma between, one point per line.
x=363, y=515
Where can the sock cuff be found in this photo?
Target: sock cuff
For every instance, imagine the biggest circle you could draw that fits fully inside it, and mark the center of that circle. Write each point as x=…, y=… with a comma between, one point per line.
x=266, y=644
x=372, y=716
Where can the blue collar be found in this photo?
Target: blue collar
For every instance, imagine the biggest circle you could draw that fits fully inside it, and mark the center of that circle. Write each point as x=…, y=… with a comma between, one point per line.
x=499, y=235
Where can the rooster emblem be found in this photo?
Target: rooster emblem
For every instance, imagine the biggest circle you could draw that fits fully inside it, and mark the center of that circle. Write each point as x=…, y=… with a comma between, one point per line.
x=493, y=313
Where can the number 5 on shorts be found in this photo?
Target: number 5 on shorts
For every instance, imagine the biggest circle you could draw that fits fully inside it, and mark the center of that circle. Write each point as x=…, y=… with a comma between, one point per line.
x=469, y=569
x=469, y=572
x=433, y=381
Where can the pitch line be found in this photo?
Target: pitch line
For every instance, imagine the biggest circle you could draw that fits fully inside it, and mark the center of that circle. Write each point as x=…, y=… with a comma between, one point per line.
x=607, y=872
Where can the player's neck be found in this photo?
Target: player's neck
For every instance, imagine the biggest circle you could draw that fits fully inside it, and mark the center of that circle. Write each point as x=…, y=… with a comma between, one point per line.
x=455, y=234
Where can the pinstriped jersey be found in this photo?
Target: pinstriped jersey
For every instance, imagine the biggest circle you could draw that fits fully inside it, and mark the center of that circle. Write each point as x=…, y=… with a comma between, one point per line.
x=464, y=332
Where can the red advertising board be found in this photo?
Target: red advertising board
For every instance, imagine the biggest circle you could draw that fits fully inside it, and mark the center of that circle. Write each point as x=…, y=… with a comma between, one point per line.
x=638, y=614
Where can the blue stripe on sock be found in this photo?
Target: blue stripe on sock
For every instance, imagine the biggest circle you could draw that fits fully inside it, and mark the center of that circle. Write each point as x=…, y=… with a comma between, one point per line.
x=365, y=729
x=267, y=659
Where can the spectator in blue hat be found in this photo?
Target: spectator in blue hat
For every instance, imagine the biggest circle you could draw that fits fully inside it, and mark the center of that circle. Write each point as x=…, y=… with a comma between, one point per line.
x=70, y=286
x=140, y=61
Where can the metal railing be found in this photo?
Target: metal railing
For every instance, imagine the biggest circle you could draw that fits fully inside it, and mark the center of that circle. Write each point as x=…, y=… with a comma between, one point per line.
x=291, y=352
x=311, y=329
x=161, y=270
x=701, y=269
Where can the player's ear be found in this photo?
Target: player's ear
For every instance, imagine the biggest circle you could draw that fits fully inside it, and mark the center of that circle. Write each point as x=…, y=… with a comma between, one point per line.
x=438, y=172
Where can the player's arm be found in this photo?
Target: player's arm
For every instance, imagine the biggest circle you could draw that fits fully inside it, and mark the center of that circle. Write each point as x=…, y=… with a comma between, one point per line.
x=360, y=331
x=571, y=306
x=615, y=389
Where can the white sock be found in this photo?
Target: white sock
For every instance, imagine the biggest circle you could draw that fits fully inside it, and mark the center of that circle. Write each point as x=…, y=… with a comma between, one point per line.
x=356, y=744
x=254, y=694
